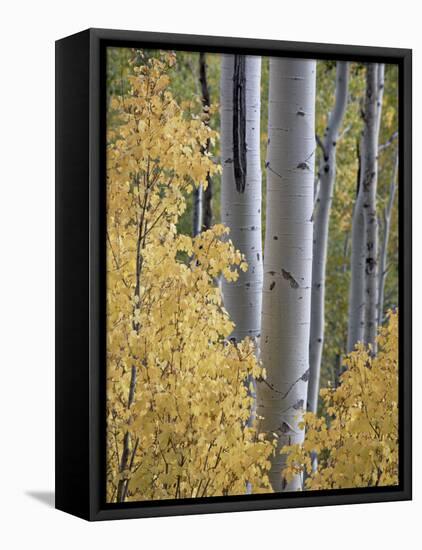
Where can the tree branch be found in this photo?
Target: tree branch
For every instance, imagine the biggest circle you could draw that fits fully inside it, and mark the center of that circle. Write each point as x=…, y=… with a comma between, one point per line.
x=321, y=144
x=388, y=142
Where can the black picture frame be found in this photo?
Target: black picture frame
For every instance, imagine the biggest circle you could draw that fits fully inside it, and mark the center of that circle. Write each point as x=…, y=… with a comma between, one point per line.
x=80, y=273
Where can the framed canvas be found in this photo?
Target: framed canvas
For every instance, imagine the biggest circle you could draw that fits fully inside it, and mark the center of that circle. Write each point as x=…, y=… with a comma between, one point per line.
x=233, y=274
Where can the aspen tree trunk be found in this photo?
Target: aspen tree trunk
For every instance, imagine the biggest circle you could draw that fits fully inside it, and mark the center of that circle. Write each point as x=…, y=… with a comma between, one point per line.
x=197, y=210
x=129, y=451
x=321, y=226
x=386, y=235
x=207, y=194
x=241, y=187
x=372, y=120
x=286, y=306
x=363, y=298
x=357, y=266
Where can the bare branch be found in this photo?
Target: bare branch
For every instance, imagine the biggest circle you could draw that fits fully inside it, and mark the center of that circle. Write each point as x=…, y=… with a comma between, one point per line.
x=388, y=142
x=344, y=132
x=321, y=144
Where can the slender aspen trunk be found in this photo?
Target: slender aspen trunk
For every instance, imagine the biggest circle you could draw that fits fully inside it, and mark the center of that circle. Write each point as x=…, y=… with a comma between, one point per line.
x=130, y=447
x=241, y=187
x=207, y=194
x=372, y=120
x=286, y=306
x=386, y=235
x=321, y=226
x=126, y=460
x=207, y=213
x=363, y=260
x=197, y=210
x=357, y=267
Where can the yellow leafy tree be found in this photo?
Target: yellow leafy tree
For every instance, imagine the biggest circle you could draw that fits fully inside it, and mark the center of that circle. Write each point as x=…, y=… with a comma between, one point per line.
x=357, y=444
x=177, y=401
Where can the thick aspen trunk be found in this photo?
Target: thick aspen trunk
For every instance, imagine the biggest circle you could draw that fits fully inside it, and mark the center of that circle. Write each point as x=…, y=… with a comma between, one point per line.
x=372, y=120
x=321, y=226
x=241, y=187
x=287, y=257
x=386, y=235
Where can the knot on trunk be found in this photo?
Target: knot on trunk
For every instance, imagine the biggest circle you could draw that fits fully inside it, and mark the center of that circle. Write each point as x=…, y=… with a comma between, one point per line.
x=289, y=277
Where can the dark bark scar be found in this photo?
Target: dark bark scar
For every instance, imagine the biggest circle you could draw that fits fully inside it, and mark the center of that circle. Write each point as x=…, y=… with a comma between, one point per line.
x=289, y=277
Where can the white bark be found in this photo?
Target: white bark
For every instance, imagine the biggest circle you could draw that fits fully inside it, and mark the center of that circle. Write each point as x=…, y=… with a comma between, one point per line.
x=288, y=256
x=363, y=297
x=372, y=120
x=197, y=211
x=241, y=208
x=357, y=266
x=386, y=235
x=321, y=226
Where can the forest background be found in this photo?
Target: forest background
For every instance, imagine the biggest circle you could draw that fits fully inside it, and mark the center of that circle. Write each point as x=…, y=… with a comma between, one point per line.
x=185, y=84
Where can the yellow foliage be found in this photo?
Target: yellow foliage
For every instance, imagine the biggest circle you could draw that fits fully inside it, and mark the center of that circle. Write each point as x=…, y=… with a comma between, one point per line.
x=357, y=445
x=177, y=401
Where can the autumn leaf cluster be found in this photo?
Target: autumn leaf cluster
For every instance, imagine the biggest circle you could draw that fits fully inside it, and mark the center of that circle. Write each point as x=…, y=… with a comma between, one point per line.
x=356, y=444
x=177, y=395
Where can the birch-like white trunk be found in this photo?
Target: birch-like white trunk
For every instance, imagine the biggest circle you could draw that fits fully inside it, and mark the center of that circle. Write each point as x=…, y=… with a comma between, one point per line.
x=197, y=211
x=287, y=257
x=357, y=268
x=241, y=196
x=372, y=121
x=363, y=297
x=386, y=236
x=327, y=171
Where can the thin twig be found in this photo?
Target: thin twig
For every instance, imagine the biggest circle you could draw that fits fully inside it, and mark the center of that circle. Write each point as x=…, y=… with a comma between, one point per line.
x=388, y=142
